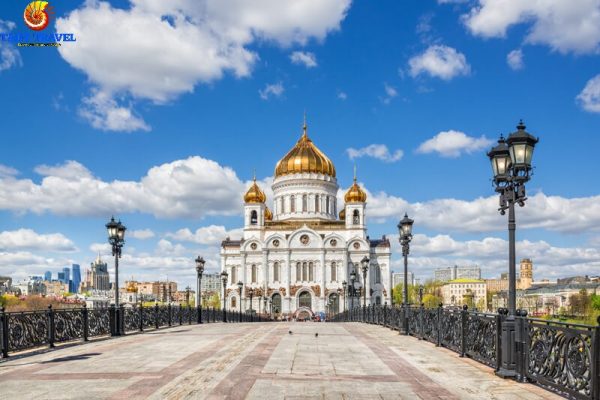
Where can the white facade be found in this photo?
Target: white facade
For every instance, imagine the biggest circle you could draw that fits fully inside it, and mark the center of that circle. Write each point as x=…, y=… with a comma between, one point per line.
x=299, y=256
x=454, y=292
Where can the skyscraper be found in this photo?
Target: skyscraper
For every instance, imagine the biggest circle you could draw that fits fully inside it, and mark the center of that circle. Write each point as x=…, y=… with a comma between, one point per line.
x=48, y=276
x=67, y=275
x=76, y=279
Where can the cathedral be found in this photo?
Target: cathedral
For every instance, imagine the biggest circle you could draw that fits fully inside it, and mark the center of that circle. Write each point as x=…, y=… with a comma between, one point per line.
x=295, y=259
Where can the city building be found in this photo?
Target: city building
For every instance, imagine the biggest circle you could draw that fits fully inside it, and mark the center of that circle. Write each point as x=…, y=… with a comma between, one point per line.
x=5, y=284
x=48, y=276
x=96, y=277
x=56, y=288
x=163, y=291
x=398, y=278
x=299, y=254
x=450, y=273
x=75, y=278
x=61, y=277
x=66, y=275
x=211, y=284
x=472, y=292
x=30, y=287
x=523, y=281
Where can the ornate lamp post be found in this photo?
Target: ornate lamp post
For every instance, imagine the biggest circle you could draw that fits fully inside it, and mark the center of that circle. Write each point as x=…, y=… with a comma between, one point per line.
x=199, y=271
x=352, y=288
x=187, y=295
x=405, y=230
x=365, y=267
x=251, y=293
x=224, y=276
x=345, y=287
x=240, y=286
x=116, y=238
x=511, y=166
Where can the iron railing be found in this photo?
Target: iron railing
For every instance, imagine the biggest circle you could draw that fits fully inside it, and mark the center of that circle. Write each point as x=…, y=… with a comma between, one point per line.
x=558, y=356
x=32, y=329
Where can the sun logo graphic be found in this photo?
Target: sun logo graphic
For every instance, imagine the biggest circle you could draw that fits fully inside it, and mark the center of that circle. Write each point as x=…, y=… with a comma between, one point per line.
x=37, y=15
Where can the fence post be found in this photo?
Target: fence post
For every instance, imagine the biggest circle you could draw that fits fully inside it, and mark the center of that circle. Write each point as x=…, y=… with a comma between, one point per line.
x=141, y=318
x=180, y=314
x=121, y=319
x=463, y=330
x=595, y=361
x=112, y=318
x=520, y=342
x=498, y=340
x=86, y=321
x=156, y=321
x=4, y=332
x=385, y=314
x=421, y=321
x=51, y=327
x=439, y=325
x=169, y=313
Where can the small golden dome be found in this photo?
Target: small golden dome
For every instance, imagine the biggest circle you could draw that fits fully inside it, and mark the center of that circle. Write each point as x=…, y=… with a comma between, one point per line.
x=355, y=194
x=255, y=194
x=131, y=287
x=343, y=214
x=268, y=214
x=304, y=157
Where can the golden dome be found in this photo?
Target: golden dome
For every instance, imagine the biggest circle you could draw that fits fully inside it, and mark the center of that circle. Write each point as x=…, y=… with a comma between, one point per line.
x=255, y=194
x=343, y=214
x=305, y=157
x=355, y=194
x=268, y=214
x=131, y=287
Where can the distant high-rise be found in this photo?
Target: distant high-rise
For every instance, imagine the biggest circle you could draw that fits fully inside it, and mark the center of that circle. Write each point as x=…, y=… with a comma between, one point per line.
x=61, y=277
x=96, y=278
x=76, y=279
x=48, y=276
x=67, y=274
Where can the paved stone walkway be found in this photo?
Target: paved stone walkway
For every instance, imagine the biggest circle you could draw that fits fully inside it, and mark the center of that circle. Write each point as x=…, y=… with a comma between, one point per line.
x=257, y=361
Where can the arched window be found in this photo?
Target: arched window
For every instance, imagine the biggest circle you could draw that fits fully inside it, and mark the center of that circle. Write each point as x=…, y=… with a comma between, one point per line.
x=233, y=275
x=254, y=273
x=304, y=272
x=304, y=203
x=334, y=206
x=378, y=300
x=304, y=300
x=276, y=303
x=333, y=272
x=298, y=272
x=233, y=302
x=311, y=272
x=253, y=217
x=327, y=200
x=292, y=203
x=317, y=203
x=282, y=209
x=356, y=217
x=276, y=272
x=334, y=303
x=377, y=274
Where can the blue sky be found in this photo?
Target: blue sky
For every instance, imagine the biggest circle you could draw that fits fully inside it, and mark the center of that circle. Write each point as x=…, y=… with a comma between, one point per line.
x=160, y=112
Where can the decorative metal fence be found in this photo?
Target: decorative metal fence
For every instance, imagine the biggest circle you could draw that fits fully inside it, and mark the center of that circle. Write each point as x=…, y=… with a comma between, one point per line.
x=558, y=356
x=27, y=330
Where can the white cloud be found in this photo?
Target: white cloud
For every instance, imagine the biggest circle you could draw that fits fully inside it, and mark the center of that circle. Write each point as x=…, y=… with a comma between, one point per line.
x=207, y=235
x=307, y=59
x=6, y=171
x=142, y=234
x=342, y=95
x=439, y=61
x=378, y=151
x=565, y=26
x=194, y=187
x=490, y=253
x=274, y=89
x=166, y=48
x=9, y=55
x=453, y=143
x=514, y=59
x=103, y=112
x=27, y=239
x=390, y=93
x=101, y=248
x=589, y=98
x=554, y=213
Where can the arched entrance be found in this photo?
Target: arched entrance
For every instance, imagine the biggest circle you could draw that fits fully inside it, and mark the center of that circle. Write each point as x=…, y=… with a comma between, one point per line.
x=305, y=300
x=276, y=303
x=333, y=303
x=303, y=313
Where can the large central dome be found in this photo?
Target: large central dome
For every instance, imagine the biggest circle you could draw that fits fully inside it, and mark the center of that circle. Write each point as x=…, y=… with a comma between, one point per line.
x=304, y=157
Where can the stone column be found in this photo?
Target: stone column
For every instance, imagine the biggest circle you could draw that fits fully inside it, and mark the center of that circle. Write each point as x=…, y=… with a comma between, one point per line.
x=265, y=263
x=288, y=279
x=323, y=279
x=242, y=277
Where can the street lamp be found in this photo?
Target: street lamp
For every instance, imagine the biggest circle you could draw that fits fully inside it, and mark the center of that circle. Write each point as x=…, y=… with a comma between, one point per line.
x=240, y=286
x=405, y=231
x=511, y=166
x=224, y=276
x=199, y=271
x=352, y=288
x=251, y=293
x=365, y=267
x=187, y=295
x=116, y=238
x=345, y=286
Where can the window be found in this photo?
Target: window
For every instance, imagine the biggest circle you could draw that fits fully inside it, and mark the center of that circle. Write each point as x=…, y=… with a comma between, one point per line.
x=282, y=209
x=311, y=274
x=304, y=203
x=304, y=272
x=328, y=199
x=276, y=272
x=254, y=273
x=233, y=275
x=233, y=302
x=292, y=203
x=304, y=300
x=298, y=272
x=333, y=272
x=317, y=203
x=356, y=217
x=378, y=300
x=253, y=217
x=334, y=206
x=377, y=274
